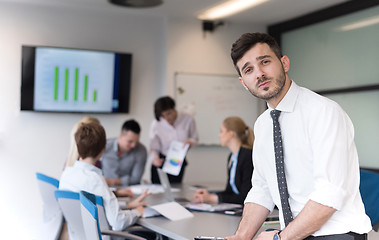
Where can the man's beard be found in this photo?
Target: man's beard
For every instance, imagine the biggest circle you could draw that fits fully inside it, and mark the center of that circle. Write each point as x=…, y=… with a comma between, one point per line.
x=279, y=84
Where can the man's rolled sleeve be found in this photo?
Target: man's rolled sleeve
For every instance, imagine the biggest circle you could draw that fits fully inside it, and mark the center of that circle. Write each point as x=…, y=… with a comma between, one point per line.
x=328, y=194
x=257, y=196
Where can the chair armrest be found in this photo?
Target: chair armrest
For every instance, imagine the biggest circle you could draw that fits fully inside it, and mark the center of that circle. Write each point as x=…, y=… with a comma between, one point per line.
x=126, y=235
x=137, y=228
x=376, y=227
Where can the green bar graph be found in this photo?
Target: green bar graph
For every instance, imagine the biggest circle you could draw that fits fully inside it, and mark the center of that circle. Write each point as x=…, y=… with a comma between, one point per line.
x=56, y=83
x=76, y=84
x=66, y=85
x=85, y=87
x=94, y=95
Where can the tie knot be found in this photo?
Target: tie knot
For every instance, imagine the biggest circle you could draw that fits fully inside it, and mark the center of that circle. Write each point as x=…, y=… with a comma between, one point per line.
x=275, y=114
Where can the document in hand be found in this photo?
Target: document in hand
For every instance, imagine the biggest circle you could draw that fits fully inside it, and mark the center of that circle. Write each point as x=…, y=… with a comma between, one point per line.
x=171, y=210
x=175, y=157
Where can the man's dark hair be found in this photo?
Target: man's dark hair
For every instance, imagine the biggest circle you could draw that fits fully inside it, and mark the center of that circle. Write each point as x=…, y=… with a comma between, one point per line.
x=162, y=104
x=90, y=140
x=131, y=125
x=247, y=41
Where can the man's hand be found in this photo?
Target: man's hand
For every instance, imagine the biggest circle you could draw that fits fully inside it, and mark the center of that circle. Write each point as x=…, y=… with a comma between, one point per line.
x=138, y=202
x=113, y=181
x=266, y=235
x=140, y=209
x=125, y=192
x=234, y=237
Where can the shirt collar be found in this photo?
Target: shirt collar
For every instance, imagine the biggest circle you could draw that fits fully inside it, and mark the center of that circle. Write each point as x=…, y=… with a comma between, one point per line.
x=85, y=165
x=287, y=104
x=177, y=121
x=115, y=145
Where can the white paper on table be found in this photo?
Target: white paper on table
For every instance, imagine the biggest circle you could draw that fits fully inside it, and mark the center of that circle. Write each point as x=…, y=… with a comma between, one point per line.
x=175, y=157
x=171, y=210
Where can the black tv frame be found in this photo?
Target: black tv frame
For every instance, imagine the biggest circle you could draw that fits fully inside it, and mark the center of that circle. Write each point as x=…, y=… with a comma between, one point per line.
x=28, y=73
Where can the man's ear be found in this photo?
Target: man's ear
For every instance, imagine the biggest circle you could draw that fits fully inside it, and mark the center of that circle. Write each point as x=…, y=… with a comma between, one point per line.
x=243, y=84
x=286, y=63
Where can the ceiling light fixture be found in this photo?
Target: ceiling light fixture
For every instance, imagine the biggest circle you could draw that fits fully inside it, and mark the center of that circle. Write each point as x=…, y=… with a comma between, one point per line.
x=228, y=8
x=360, y=24
x=137, y=3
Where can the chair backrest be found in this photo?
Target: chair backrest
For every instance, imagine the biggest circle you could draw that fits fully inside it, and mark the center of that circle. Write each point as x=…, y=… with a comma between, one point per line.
x=70, y=205
x=370, y=194
x=90, y=216
x=52, y=218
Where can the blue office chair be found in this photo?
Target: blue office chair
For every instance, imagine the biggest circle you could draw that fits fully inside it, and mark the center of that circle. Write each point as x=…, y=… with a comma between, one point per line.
x=370, y=195
x=70, y=205
x=52, y=218
x=90, y=220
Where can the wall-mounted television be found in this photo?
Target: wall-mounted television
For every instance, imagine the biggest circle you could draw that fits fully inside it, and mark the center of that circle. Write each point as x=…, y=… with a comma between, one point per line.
x=56, y=79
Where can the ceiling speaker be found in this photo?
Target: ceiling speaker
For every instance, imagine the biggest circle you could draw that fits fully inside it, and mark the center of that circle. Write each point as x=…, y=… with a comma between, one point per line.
x=137, y=3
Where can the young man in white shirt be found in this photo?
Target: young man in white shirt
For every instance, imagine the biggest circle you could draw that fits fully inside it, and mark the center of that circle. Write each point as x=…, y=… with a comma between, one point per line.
x=320, y=158
x=84, y=175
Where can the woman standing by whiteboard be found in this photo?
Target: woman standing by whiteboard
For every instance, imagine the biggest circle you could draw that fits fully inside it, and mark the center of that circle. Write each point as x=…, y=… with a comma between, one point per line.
x=169, y=125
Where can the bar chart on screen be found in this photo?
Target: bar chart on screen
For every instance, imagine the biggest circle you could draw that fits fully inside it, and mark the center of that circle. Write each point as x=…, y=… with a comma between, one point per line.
x=72, y=80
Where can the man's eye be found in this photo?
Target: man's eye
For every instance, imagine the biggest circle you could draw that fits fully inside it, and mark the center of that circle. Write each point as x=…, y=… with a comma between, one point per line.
x=265, y=62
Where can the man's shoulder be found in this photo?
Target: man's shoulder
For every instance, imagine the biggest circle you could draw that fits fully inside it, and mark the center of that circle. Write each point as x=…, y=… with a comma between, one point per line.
x=110, y=144
x=140, y=147
x=111, y=140
x=317, y=101
x=262, y=118
x=75, y=175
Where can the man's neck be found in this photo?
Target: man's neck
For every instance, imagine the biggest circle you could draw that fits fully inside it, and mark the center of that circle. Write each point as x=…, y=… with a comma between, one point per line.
x=89, y=160
x=120, y=151
x=274, y=102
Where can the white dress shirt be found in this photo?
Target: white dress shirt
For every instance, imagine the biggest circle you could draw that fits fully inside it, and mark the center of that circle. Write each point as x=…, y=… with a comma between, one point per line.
x=86, y=177
x=162, y=133
x=321, y=161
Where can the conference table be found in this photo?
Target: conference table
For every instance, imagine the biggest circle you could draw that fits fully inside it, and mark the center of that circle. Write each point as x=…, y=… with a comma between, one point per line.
x=201, y=224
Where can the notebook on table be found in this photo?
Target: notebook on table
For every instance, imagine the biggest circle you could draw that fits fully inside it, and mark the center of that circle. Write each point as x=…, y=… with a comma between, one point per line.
x=169, y=208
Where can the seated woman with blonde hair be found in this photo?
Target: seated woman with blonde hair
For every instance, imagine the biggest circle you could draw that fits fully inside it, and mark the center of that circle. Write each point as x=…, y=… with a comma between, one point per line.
x=73, y=155
x=239, y=138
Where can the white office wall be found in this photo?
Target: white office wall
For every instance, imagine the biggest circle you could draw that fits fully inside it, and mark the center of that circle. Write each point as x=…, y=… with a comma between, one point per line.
x=191, y=50
x=31, y=141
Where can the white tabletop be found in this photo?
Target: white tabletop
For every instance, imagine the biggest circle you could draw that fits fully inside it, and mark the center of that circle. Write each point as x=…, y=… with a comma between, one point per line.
x=202, y=224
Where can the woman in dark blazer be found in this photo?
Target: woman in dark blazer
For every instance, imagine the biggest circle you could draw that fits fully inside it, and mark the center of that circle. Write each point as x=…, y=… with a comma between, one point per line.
x=239, y=138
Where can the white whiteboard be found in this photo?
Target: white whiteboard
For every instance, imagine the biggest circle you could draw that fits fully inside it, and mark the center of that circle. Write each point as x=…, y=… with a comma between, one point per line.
x=210, y=99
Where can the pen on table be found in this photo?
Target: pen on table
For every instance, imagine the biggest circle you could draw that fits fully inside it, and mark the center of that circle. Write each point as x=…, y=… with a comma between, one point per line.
x=271, y=223
x=233, y=212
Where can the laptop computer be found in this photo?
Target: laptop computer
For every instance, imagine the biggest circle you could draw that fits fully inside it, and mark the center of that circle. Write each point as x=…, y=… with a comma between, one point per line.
x=166, y=185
